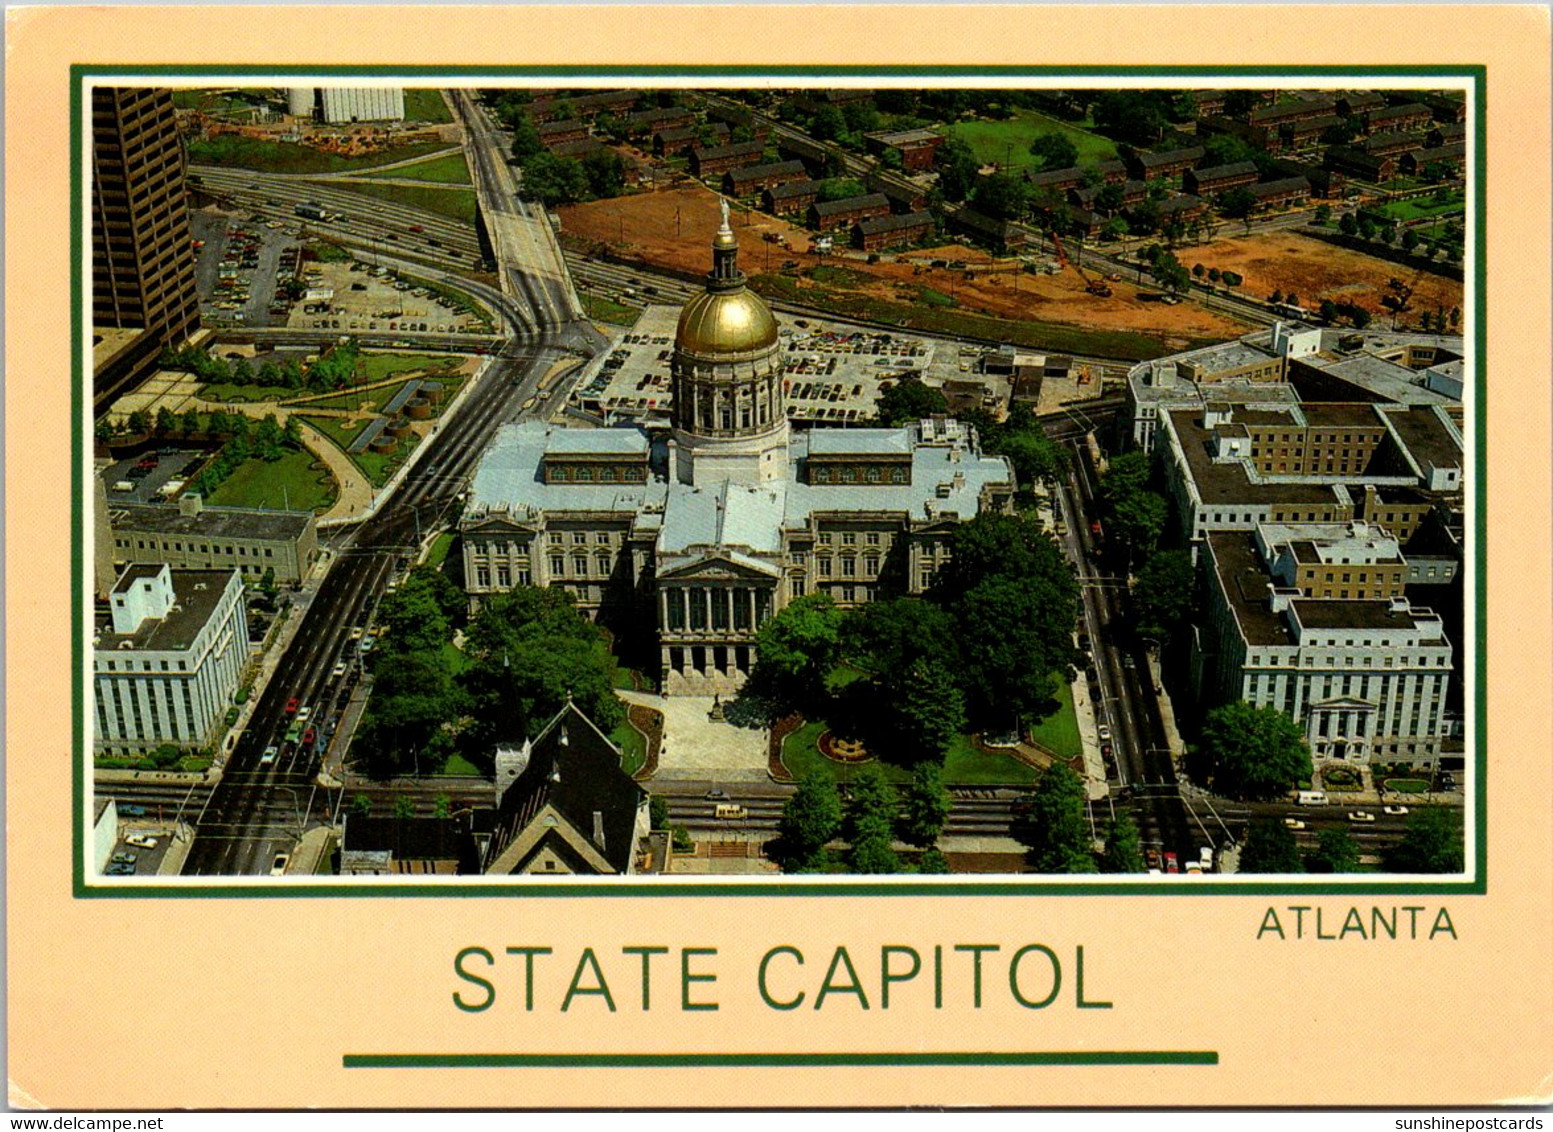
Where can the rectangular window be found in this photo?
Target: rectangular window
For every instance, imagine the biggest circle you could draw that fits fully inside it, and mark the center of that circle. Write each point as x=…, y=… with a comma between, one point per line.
x=873, y=538
x=557, y=565
x=848, y=567
x=824, y=567
x=557, y=536
x=849, y=538
x=824, y=539
x=580, y=566
x=871, y=565
x=580, y=538
x=796, y=585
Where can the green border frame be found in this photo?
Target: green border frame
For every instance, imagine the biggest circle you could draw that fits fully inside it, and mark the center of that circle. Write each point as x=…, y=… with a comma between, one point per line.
x=1475, y=76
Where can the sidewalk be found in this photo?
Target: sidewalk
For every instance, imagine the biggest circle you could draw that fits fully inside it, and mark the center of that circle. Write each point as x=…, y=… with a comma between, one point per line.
x=1089, y=737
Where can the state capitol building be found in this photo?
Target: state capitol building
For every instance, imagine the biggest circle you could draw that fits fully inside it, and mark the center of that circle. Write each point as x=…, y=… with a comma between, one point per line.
x=704, y=530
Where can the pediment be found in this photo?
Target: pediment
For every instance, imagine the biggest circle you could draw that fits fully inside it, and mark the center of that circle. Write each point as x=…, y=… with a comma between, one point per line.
x=495, y=525
x=717, y=567
x=1343, y=703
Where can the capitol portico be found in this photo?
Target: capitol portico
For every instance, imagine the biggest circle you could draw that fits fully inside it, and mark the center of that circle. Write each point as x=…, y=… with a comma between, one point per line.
x=711, y=526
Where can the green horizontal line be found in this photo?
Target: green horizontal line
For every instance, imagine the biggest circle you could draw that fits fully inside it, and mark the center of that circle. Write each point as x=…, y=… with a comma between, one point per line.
x=772, y=1060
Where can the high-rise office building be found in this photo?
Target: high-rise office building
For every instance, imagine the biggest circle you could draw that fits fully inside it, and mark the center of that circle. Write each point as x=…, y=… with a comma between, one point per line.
x=143, y=292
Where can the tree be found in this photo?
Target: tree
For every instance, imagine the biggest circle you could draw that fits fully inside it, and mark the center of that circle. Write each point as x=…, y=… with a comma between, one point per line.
x=1123, y=854
x=1257, y=753
x=1348, y=225
x=1226, y=149
x=925, y=807
x=811, y=817
x=1137, y=521
x=1323, y=213
x=1004, y=195
x=828, y=123
x=1410, y=239
x=525, y=139
x=1136, y=117
x=1169, y=273
x=1292, y=298
x=932, y=861
x=165, y=421
x=1199, y=272
x=413, y=695
x=361, y=805
x=1036, y=457
x=1433, y=843
x=1108, y=198
x=923, y=711
x=1276, y=297
x=657, y=812
x=553, y=180
x=404, y=806
x=1328, y=311
x=1213, y=275
x=442, y=806
x=909, y=399
x=957, y=168
x=1238, y=203
x=605, y=173
x=894, y=633
x=1270, y=848
x=139, y=422
x=1336, y=852
x=1164, y=594
x=1359, y=317
x=840, y=188
x=1058, y=830
x=413, y=618
x=869, y=823
x=1055, y=150
x=796, y=651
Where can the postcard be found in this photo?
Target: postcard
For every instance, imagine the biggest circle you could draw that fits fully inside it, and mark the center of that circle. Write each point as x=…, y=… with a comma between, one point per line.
x=993, y=556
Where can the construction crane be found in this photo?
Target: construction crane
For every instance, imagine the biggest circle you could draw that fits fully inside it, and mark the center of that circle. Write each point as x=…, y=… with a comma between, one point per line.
x=1093, y=286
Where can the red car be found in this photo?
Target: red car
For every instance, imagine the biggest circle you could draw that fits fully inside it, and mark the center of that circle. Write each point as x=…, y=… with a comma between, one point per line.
x=417, y=228
x=1170, y=862
x=292, y=704
x=308, y=737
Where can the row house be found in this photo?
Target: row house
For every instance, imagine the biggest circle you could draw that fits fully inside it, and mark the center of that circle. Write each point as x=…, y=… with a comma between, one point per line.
x=1285, y=190
x=815, y=156
x=1357, y=103
x=1000, y=235
x=904, y=195
x=554, y=133
x=1133, y=192
x=892, y=231
x=1260, y=137
x=1285, y=113
x=1170, y=163
x=647, y=122
x=1408, y=116
x=792, y=198
x=1447, y=108
x=704, y=161
x=1454, y=156
x=579, y=148
x=1357, y=163
x=666, y=143
x=1302, y=135
x=1219, y=178
x=827, y=215
x=1324, y=183
x=1392, y=145
x=1446, y=133
x=582, y=105
x=1182, y=207
x=753, y=178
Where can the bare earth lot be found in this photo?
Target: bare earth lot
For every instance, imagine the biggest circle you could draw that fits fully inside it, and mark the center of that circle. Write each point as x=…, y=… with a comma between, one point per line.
x=648, y=223
x=1315, y=270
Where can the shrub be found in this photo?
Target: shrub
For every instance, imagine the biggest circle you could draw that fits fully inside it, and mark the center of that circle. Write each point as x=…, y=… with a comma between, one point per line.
x=682, y=840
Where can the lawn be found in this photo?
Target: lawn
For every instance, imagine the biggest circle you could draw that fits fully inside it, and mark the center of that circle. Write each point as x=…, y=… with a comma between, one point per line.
x=375, y=367
x=963, y=764
x=425, y=106
x=633, y=747
x=1407, y=785
x=249, y=394
x=439, y=551
x=458, y=204
x=1059, y=731
x=376, y=466
x=288, y=482
x=449, y=170
x=1009, y=141
x=373, y=399
x=1420, y=209
x=605, y=310
x=283, y=157
x=457, y=766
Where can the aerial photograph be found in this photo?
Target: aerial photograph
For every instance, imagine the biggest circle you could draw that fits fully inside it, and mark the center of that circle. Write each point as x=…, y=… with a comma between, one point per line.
x=1052, y=484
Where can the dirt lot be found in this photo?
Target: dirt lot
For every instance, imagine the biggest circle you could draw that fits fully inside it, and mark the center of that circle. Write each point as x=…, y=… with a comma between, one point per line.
x=649, y=222
x=1315, y=270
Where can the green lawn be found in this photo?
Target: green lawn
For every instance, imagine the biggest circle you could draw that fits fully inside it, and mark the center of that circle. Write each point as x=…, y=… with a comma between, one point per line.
x=457, y=766
x=458, y=204
x=375, y=367
x=449, y=170
x=425, y=106
x=1059, y=731
x=824, y=273
x=288, y=482
x=1009, y=141
x=439, y=550
x=963, y=764
x=374, y=399
x=633, y=747
x=1420, y=209
x=606, y=310
x=1407, y=785
x=283, y=157
x=376, y=466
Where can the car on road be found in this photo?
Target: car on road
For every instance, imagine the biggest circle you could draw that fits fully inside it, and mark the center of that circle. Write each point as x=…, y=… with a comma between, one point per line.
x=269, y=755
x=1293, y=823
x=339, y=670
x=293, y=733
x=131, y=811
x=278, y=866
x=309, y=737
x=303, y=713
x=292, y=704
x=1361, y=816
x=1395, y=811
x=140, y=841
x=1171, y=864
x=356, y=632
x=714, y=794
x=1105, y=732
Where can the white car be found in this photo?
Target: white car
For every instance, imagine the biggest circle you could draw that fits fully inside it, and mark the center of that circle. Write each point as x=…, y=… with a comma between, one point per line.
x=1105, y=732
x=140, y=841
x=339, y=670
x=303, y=713
x=1361, y=816
x=1293, y=823
x=1396, y=811
x=278, y=866
x=269, y=755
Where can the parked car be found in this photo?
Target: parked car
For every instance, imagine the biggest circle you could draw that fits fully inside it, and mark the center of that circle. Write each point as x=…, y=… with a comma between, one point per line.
x=1293, y=823
x=131, y=811
x=1396, y=811
x=140, y=841
x=303, y=713
x=292, y=705
x=1361, y=816
x=339, y=670
x=1105, y=732
x=125, y=858
x=1171, y=864
x=278, y=866
x=309, y=737
x=715, y=794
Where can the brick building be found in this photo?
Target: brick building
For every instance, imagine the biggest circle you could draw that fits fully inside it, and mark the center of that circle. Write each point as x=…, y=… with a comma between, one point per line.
x=892, y=231
x=826, y=216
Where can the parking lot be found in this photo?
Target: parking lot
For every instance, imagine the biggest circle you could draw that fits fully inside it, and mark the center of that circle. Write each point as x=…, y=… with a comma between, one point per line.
x=355, y=295
x=238, y=267
x=153, y=477
x=142, y=845
x=835, y=371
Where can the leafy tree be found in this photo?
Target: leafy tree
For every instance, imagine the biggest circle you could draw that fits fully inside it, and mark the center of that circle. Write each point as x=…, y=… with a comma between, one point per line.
x=1336, y=852
x=1164, y=595
x=1136, y=117
x=1410, y=240
x=1257, y=753
x=828, y=123
x=861, y=117
x=1170, y=274
x=1035, y=456
x=1292, y=298
x=1270, y=848
x=605, y=173
x=1004, y=195
x=139, y=422
x=910, y=399
x=165, y=421
x=1348, y=225
x=811, y=817
x=869, y=823
x=1359, y=317
x=404, y=806
x=1145, y=217
x=932, y=861
x=1328, y=310
x=1232, y=278
x=925, y=807
x=1114, y=228
x=1127, y=473
x=1213, y=275
x=1109, y=198
x=442, y=806
x=1058, y=829
x=1276, y=297
x=894, y=633
x=1323, y=213
x=1226, y=149
x=1055, y=150
x=1137, y=521
x=413, y=695
x=361, y=806
x=1433, y=843
x=553, y=180
x=413, y=618
x=525, y=140
x=923, y=711
x=1199, y=272
x=1238, y=203
x=658, y=812
x=840, y=188
x=797, y=649
x=1123, y=853
x=957, y=168
x=189, y=422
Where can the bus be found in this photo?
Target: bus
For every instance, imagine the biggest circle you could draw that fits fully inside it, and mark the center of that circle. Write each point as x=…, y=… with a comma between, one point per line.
x=312, y=211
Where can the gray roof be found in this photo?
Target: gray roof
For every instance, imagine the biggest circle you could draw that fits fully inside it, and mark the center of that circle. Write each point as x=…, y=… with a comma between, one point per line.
x=722, y=514
x=196, y=593
x=898, y=220
x=773, y=169
x=611, y=441
x=1233, y=169
x=851, y=204
x=508, y=475
x=860, y=442
x=211, y=522
x=1169, y=156
x=803, y=188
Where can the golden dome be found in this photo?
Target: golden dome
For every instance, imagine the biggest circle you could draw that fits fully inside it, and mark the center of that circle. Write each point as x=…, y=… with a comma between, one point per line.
x=725, y=322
